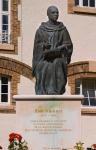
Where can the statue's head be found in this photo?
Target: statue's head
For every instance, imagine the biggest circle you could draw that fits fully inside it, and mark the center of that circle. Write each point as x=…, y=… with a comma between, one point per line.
x=53, y=13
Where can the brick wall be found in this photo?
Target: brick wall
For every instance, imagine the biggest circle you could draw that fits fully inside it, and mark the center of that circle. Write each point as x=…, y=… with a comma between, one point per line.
x=70, y=6
x=15, y=24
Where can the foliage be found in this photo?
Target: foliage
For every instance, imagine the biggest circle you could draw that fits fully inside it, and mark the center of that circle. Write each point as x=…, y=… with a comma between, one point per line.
x=79, y=146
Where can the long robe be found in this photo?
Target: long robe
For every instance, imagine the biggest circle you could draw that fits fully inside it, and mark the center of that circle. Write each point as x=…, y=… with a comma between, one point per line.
x=51, y=71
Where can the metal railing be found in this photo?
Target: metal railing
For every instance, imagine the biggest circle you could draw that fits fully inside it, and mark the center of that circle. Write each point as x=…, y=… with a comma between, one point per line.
x=4, y=37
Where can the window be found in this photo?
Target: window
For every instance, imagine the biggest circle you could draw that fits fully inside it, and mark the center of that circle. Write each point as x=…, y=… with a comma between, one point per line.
x=82, y=6
x=86, y=3
x=87, y=87
x=4, y=21
x=4, y=89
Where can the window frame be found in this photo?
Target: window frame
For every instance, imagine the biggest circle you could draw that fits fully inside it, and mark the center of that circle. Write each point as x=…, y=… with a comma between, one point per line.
x=81, y=4
x=79, y=9
x=9, y=84
x=8, y=13
x=80, y=87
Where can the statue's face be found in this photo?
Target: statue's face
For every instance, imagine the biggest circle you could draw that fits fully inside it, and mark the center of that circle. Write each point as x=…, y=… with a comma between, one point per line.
x=53, y=14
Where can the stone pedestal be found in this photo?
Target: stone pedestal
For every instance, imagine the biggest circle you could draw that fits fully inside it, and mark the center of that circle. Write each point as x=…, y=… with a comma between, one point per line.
x=49, y=122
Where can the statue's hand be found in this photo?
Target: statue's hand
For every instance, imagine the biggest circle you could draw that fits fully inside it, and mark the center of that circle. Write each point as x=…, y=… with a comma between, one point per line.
x=64, y=47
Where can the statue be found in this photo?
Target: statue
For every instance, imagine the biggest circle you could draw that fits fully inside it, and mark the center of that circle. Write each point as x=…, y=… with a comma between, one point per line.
x=51, y=54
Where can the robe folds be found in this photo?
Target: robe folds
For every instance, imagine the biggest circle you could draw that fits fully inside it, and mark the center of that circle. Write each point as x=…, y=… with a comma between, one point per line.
x=51, y=54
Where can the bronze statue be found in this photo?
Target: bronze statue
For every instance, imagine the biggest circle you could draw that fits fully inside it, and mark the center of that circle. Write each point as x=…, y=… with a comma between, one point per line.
x=51, y=54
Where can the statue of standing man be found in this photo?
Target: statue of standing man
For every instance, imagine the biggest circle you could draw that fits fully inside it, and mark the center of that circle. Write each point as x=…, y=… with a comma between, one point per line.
x=51, y=54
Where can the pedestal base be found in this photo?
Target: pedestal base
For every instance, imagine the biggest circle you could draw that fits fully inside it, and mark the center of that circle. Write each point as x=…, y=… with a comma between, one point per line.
x=49, y=122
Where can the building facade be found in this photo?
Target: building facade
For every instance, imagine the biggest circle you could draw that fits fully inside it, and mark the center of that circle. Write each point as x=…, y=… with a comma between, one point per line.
x=19, y=20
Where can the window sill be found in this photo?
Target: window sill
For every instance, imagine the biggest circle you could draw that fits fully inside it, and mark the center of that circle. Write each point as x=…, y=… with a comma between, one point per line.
x=84, y=10
x=6, y=47
x=7, y=108
x=88, y=110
